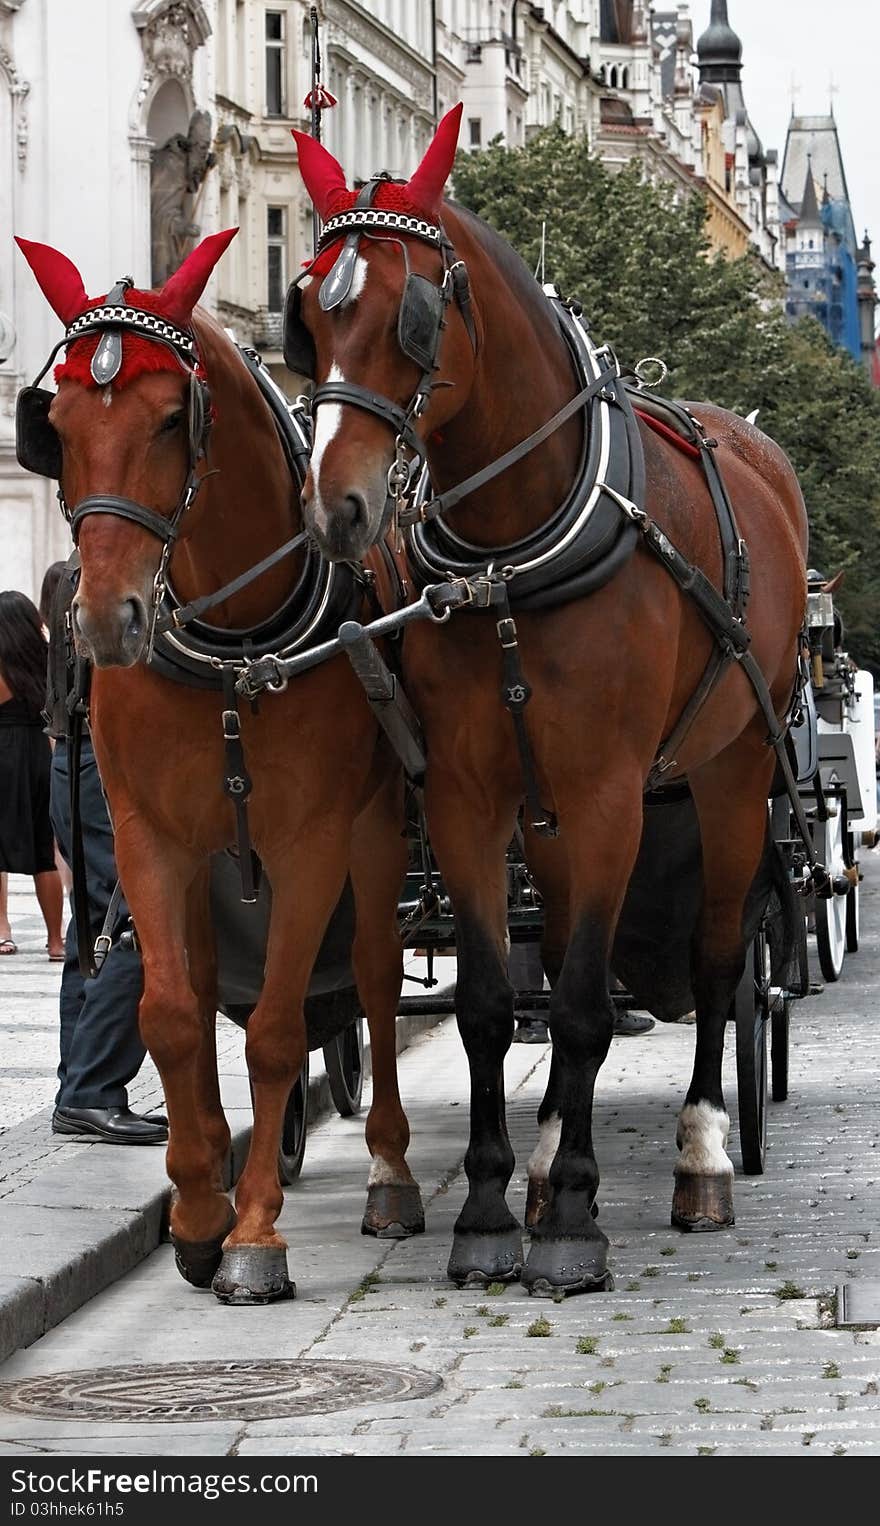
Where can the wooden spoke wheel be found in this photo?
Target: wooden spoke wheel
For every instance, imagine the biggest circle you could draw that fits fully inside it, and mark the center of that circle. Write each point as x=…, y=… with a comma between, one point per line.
x=750, y=1011
x=344, y=1060
x=831, y=912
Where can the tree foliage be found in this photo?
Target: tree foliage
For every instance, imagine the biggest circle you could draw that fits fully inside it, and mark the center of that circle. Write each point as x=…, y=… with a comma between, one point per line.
x=639, y=260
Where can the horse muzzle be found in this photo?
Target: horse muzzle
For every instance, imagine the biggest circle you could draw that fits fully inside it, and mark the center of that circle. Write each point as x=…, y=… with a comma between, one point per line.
x=346, y=526
x=114, y=636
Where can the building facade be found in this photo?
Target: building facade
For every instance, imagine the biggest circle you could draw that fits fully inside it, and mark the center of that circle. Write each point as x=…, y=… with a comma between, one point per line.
x=129, y=128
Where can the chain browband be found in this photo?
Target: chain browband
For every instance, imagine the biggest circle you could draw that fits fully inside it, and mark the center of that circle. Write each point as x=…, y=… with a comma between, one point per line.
x=368, y=219
x=98, y=319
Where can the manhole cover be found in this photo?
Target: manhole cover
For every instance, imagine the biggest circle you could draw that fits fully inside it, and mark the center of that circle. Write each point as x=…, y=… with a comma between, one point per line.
x=214, y=1390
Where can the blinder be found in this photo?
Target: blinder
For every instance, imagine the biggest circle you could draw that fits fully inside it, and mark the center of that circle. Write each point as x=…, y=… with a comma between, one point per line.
x=420, y=320
x=37, y=445
x=298, y=344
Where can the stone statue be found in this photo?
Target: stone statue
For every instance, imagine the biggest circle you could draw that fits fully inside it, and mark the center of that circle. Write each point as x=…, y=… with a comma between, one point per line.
x=176, y=173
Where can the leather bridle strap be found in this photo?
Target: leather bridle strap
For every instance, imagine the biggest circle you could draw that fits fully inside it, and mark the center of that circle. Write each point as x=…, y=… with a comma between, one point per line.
x=454, y=495
x=400, y=419
x=126, y=508
x=198, y=607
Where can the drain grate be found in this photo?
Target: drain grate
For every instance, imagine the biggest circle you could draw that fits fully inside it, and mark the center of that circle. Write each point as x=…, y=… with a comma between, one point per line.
x=214, y=1390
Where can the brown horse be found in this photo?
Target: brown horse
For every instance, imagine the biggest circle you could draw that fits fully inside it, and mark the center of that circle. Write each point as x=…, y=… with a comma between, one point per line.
x=153, y=464
x=620, y=658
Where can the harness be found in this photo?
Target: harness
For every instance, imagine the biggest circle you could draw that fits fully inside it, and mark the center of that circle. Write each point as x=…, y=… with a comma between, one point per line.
x=580, y=548
x=181, y=645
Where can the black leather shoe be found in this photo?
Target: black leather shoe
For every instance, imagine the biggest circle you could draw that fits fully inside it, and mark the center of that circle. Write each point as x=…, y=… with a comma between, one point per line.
x=109, y=1125
x=632, y=1024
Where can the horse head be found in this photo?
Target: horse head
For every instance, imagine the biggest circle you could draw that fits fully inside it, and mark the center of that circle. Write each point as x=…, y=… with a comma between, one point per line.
x=381, y=319
x=123, y=433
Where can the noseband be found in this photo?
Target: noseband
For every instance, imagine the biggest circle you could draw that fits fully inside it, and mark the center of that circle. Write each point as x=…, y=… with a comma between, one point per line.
x=38, y=447
x=420, y=326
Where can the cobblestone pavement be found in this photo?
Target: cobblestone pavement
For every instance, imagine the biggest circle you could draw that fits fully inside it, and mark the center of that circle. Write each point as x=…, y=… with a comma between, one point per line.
x=722, y=1345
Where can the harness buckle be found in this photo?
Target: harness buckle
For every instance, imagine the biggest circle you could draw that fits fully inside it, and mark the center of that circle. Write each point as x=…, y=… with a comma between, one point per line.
x=506, y=629
x=231, y=725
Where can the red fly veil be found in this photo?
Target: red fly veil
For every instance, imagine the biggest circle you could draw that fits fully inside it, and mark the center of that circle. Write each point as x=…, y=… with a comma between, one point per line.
x=62, y=286
x=420, y=196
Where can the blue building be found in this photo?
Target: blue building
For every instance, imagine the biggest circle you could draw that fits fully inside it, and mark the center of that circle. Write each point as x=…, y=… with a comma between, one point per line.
x=822, y=254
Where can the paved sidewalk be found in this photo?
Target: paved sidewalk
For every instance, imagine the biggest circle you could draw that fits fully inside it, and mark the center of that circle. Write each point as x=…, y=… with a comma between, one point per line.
x=77, y=1216
x=721, y=1345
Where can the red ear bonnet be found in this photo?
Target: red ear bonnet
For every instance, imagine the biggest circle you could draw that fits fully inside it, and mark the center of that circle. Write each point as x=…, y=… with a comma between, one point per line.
x=58, y=279
x=323, y=176
x=426, y=185
x=182, y=290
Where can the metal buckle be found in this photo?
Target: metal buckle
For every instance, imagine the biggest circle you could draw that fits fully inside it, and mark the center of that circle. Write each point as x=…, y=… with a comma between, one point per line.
x=231, y=718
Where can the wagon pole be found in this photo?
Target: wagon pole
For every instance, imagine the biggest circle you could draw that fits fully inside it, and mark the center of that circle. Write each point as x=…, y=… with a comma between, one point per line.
x=313, y=102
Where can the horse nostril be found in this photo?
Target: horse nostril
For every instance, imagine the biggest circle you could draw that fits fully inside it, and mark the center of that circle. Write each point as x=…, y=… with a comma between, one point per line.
x=134, y=618
x=353, y=511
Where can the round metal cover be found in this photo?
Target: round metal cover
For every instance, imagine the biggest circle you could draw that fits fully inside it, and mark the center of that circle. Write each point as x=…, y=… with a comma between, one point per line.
x=214, y=1390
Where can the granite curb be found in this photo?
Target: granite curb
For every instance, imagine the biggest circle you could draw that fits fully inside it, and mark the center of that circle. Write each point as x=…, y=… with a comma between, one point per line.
x=84, y=1221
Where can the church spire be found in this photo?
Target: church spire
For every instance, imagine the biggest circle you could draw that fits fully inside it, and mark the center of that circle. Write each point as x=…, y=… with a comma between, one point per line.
x=809, y=212
x=719, y=50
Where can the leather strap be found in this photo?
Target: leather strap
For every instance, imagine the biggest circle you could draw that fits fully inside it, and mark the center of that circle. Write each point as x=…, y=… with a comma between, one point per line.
x=125, y=508
x=237, y=783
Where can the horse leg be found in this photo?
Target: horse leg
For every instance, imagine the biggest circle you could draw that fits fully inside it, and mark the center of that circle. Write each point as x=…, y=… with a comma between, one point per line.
x=730, y=795
x=548, y=865
x=470, y=838
x=307, y=873
x=155, y=877
x=600, y=824
x=202, y=957
x=378, y=865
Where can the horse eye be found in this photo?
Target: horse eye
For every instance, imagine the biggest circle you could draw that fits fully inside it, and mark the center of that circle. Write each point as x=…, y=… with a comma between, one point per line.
x=173, y=421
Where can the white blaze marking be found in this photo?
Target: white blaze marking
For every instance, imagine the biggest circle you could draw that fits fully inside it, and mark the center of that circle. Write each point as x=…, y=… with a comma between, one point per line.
x=701, y=1137
x=328, y=418
x=548, y=1143
x=107, y=395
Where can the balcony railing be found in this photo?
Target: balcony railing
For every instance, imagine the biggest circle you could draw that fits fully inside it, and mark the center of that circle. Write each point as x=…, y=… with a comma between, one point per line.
x=267, y=329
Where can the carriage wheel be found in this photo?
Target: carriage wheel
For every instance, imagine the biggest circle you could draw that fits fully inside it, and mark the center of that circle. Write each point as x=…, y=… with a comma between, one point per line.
x=780, y=1020
x=344, y=1060
x=831, y=912
x=292, y=1147
x=750, y=1011
x=853, y=918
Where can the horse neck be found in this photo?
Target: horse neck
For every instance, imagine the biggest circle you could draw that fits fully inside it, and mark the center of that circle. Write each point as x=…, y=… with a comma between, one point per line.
x=248, y=505
x=523, y=375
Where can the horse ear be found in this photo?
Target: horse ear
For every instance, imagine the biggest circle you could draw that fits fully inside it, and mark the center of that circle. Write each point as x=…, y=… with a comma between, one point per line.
x=182, y=290
x=322, y=175
x=58, y=279
x=426, y=185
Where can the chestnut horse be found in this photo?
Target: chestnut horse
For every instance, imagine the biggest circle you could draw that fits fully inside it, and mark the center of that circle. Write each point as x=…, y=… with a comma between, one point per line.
x=615, y=665
x=153, y=464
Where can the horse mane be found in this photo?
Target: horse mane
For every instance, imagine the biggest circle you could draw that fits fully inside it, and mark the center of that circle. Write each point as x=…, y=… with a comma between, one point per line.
x=510, y=265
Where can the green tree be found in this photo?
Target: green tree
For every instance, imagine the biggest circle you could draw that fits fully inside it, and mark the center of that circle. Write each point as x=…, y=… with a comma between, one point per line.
x=641, y=264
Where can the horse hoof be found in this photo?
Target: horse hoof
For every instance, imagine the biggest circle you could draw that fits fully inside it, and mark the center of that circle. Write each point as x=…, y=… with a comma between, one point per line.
x=702, y=1204
x=478, y=1259
x=198, y=1260
x=393, y=1212
x=558, y=1268
x=253, y=1274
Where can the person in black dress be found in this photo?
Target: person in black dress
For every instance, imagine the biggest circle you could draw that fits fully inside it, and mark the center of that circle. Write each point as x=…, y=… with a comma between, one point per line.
x=26, y=840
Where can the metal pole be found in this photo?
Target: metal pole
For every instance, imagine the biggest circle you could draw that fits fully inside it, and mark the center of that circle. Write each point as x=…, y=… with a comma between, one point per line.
x=316, y=111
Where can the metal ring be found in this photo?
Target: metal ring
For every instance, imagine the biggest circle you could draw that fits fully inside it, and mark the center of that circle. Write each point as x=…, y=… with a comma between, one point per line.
x=652, y=360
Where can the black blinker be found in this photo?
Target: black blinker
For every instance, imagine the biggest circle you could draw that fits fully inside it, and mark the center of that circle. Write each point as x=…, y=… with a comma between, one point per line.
x=418, y=326
x=37, y=445
x=299, y=346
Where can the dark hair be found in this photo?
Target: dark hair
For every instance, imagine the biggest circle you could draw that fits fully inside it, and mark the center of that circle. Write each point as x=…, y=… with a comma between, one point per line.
x=51, y=578
x=23, y=649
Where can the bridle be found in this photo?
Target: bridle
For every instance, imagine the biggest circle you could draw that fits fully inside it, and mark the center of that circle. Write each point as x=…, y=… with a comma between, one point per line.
x=38, y=447
x=420, y=325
